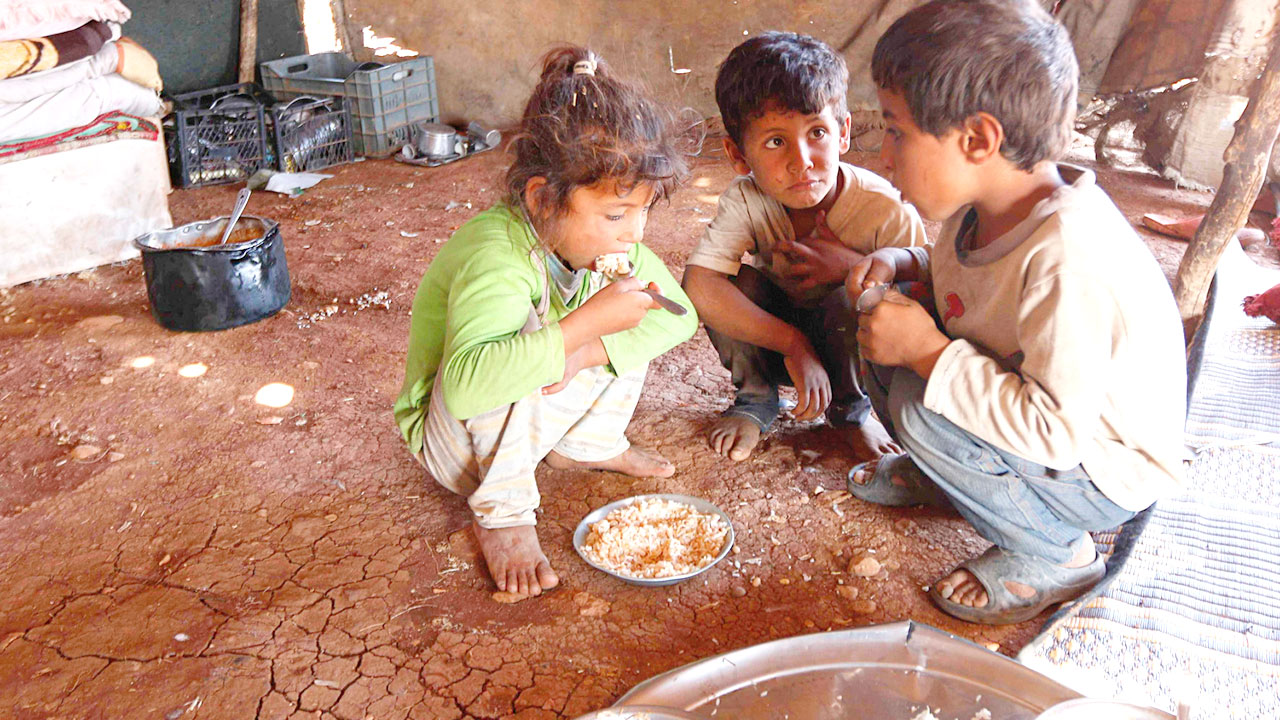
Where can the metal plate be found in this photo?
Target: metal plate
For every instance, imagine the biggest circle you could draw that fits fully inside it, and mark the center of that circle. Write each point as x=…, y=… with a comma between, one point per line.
x=580, y=536
x=1094, y=709
x=637, y=712
x=883, y=672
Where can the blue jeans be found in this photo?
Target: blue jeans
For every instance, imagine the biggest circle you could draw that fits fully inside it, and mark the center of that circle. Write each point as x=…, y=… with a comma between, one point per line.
x=1017, y=504
x=758, y=372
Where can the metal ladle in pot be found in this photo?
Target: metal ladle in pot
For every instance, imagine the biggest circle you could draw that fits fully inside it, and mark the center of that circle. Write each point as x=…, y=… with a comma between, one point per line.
x=242, y=199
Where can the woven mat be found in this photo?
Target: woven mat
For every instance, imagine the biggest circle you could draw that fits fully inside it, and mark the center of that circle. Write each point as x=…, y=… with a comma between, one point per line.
x=1190, y=609
x=1236, y=396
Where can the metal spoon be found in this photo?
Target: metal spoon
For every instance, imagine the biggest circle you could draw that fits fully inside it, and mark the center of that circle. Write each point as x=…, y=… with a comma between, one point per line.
x=242, y=199
x=871, y=297
x=667, y=303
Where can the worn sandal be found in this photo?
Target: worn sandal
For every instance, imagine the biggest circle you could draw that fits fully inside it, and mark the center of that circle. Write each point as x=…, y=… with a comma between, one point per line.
x=1053, y=584
x=882, y=490
x=761, y=413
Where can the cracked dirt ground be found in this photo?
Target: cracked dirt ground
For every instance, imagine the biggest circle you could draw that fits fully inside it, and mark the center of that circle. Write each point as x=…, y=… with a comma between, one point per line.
x=172, y=550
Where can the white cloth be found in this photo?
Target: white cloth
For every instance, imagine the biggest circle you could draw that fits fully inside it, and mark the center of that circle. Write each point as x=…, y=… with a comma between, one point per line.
x=1068, y=346
x=25, y=88
x=868, y=214
x=75, y=209
x=27, y=19
x=76, y=105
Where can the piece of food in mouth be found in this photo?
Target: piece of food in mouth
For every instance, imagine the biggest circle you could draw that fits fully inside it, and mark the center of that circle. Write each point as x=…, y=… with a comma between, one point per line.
x=613, y=265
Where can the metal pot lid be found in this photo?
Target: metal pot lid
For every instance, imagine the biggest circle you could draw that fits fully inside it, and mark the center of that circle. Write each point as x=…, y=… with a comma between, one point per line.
x=437, y=130
x=884, y=671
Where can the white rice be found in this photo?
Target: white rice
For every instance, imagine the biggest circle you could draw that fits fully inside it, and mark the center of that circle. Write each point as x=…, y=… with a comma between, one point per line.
x=613, y=265
x=655, y=538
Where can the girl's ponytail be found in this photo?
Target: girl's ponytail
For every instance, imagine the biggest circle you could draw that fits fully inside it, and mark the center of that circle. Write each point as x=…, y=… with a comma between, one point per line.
x=581, y=125
x=568, y=60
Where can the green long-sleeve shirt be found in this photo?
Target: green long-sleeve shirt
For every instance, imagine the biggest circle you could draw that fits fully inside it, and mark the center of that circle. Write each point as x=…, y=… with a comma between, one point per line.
x=471, y=305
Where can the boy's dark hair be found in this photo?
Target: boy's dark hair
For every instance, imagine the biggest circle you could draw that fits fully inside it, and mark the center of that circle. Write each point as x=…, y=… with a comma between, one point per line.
x=796, y=72
x=586, y=126
x=951, y=59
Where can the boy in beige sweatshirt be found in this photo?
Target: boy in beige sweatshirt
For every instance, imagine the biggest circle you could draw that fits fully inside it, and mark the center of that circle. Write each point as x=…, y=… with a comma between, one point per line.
x=767, y=276
x=1052, y=400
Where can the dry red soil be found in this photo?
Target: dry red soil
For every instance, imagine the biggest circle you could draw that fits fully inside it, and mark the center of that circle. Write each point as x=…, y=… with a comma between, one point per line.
x=172, y=550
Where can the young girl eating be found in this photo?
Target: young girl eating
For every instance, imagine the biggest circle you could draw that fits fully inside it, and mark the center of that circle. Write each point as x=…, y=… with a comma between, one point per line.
x=520, y=348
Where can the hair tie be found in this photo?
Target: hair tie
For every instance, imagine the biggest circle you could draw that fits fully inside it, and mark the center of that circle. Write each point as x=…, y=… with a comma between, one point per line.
x=585, y=67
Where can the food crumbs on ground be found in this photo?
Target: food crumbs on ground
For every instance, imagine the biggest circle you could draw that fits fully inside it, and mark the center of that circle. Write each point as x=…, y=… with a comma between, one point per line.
x=655, y=538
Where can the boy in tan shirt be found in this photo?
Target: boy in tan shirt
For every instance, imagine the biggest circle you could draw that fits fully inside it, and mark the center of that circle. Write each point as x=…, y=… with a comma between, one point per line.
x=1053, y=401
x=803, y=218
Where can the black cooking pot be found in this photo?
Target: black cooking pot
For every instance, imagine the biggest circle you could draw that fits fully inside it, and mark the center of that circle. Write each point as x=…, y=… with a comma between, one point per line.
x=196, y=284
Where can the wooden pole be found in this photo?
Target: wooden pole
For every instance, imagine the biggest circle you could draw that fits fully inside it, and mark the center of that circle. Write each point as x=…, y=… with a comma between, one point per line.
x=1246, y=159
x=302, y=23
x=248, y=39
x=349, y=43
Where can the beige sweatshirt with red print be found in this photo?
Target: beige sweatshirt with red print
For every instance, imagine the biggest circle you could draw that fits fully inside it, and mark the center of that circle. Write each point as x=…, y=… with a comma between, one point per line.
x=1067, y=346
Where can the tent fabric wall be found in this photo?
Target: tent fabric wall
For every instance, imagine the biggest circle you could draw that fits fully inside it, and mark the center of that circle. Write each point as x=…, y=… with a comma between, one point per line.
x=1234, y=57
x=1096, y=28
x=197, y=44
x=1165, y=43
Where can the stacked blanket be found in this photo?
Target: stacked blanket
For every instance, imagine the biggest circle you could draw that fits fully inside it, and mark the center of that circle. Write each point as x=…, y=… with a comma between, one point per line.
x=82, y=161
x=64, y=64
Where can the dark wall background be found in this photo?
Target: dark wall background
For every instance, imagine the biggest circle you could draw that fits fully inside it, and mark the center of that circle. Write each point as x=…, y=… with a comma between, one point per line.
x=198, y=43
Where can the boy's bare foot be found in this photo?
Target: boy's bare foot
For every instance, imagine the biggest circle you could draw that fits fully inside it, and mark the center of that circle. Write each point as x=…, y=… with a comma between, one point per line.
x=634, y=461
x=734, y=436
x=871, y=441
x=962, y=588
x=864, y=475
x=515, y=558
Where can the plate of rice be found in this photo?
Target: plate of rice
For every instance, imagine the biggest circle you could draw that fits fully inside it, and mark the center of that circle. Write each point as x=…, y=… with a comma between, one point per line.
x=657, y=539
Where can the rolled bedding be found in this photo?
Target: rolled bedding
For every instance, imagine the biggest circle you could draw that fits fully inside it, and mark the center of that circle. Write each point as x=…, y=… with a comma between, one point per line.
x=21, y=57
x=21, y=19
x=76, y=105
x=123, y=57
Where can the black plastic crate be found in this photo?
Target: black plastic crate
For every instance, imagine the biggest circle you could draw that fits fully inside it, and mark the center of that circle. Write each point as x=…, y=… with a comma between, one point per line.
x=385, y=99
x=217, y=135
x=312, y=133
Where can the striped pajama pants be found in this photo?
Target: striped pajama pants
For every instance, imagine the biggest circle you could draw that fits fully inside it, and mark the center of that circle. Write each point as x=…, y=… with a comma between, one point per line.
x=490, y=458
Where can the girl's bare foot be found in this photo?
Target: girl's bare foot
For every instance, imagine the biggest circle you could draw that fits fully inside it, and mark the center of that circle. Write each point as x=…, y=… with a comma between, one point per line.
x=634, y=461
x=734, y=436
x=515, y=558
x=871, y=441
x=962, y=588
